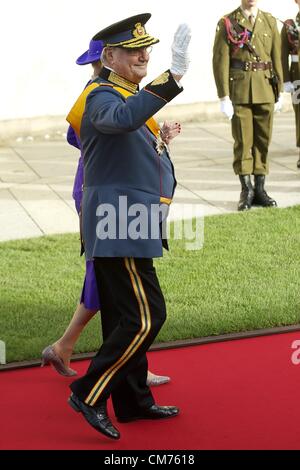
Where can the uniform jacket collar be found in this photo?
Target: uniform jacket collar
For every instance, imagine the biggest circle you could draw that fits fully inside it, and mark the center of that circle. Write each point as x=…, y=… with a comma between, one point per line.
x=113, y=77
x=240, y=17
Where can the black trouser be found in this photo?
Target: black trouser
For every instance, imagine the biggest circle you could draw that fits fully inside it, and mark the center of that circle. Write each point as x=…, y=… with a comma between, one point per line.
x=133, y=311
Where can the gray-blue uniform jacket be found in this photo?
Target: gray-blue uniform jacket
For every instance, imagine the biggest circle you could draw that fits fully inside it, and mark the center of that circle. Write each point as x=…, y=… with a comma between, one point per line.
x=121, y=159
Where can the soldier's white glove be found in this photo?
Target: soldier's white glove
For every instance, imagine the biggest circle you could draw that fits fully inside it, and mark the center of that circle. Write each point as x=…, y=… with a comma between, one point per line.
x=289, y=87
x=278, y=105
x=180, y=57
x=227, y=107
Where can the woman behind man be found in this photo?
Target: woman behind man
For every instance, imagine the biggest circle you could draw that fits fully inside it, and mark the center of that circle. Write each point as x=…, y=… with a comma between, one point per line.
x=59, y=353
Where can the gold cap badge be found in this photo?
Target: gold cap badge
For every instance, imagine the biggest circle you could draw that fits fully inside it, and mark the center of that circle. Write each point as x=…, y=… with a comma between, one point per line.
x=139, y=30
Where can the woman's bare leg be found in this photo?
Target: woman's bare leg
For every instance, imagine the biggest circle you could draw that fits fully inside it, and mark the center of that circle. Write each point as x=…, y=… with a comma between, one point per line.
x=65, y=345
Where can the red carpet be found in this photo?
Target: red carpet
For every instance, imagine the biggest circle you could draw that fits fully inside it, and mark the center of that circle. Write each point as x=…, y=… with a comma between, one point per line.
x=234, y=395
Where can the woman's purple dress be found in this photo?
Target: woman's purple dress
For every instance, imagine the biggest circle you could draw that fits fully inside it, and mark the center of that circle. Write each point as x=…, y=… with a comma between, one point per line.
x=89, y=295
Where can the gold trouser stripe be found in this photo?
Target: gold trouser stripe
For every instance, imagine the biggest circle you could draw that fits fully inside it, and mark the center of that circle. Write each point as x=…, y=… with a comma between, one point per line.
x=137, y=341
x=165, y=200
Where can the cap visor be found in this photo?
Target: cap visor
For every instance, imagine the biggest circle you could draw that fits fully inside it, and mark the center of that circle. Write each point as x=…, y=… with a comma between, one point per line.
x=136, y=43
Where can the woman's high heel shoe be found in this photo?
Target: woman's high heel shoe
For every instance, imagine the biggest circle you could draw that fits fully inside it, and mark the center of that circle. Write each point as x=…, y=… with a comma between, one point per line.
x=49, y=356
x=153, y=380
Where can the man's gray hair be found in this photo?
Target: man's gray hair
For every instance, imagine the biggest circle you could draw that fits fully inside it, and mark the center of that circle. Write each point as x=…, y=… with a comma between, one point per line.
x=103, y=55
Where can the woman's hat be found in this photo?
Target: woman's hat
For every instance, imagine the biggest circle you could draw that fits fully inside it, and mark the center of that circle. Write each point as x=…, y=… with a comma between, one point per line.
x=92, y=55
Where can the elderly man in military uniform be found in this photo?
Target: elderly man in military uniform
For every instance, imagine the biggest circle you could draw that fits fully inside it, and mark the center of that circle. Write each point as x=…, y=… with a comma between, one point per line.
x=127, y=169
x=248, y=75
x=290, y=53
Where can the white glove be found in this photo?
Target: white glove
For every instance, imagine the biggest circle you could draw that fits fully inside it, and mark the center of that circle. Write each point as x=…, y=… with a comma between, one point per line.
x=289, y=87
x=227, y=107
x=180, y=57
x=278, y=105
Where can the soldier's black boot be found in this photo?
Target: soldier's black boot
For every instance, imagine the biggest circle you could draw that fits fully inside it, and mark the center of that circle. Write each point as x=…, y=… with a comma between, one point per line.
x=261, y=198
x=298, y=162
x=247, y=193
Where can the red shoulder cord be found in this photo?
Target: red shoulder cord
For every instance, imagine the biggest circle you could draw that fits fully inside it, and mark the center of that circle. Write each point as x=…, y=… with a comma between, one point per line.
x=239, y=39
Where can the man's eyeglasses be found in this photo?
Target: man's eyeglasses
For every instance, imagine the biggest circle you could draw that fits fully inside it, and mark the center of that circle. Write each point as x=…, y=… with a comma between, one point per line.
x=139, y=51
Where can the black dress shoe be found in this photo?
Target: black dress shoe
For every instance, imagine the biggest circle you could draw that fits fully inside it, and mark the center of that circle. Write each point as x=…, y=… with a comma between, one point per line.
x=298, y=163
x=96, y=416
x=154, y=412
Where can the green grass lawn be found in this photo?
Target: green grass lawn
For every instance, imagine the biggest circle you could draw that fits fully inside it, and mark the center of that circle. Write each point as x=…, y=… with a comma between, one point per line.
x=246, y=277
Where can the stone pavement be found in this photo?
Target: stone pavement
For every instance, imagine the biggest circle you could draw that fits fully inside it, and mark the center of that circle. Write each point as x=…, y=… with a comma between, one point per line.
x=36, y=177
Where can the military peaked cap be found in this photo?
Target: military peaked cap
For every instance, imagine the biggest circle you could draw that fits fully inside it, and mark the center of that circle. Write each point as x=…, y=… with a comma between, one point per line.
x=129, y=33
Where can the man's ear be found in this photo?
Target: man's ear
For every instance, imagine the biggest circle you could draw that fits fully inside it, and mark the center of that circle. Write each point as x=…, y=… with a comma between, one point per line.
x=109, y=55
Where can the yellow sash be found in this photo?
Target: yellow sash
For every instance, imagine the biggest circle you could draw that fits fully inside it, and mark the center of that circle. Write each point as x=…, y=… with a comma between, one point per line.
x=74, y=117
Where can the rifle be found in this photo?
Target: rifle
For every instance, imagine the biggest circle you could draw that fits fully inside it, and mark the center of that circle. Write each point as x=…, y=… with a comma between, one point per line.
x=291, y=29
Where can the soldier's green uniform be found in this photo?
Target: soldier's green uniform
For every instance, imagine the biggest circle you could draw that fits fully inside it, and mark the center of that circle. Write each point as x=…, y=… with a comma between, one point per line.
x=240, y=75
x=290, y=55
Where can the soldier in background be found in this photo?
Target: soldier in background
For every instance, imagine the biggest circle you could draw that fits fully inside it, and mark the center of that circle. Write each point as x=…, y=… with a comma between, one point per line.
x=291, y=65
x=248, y=75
